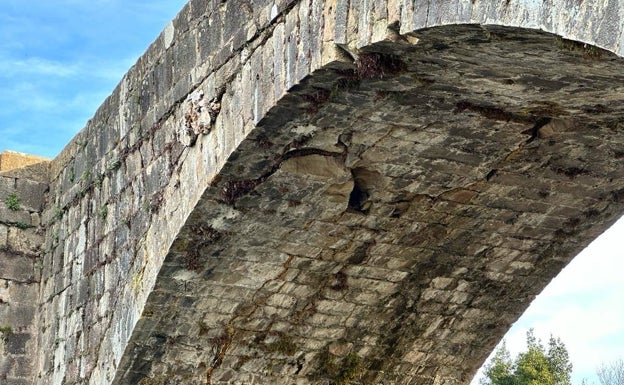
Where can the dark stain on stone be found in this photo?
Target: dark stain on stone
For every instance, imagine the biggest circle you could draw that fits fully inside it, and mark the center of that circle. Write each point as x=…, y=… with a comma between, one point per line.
x=490, y=112
x=203, y=235
x=541, y=83
x=571, y=172
x=476, y=41
x=361, y=253
x=340, y=281
x=234, y=189
x=431, y=233
x=545, y=108
x=617, y=195
x=222, y=344
x=309, y=151
x=299, y=142
x=378, y=65
x=316, y=99
x=587, y=50
x=572, y=222
x=535, y=130
x=156, y=201
x=597, y=109
x=439, y=46
x=347, y=81
x=263, y=142
x=591, y=213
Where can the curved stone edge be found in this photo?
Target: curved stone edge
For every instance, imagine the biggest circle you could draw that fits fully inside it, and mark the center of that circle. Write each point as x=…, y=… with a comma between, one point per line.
x=595, y=23
x=123, y=187
x=135, y=137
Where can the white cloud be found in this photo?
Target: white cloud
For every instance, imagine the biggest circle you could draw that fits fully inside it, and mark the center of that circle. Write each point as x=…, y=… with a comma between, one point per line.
x=37, y=66
x=583, y=306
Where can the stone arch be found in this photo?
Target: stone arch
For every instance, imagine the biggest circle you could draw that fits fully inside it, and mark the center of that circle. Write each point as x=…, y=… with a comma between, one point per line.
x=387, y=220
x=330, y=191
x=598, y=24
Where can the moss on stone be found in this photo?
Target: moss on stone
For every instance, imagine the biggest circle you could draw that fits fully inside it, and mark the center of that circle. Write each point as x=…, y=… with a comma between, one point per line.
x=284, y=345
x=340, y=370
x=6, y=332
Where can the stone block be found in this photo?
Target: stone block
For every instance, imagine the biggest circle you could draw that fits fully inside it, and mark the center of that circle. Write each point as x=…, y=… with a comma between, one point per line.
x=17, y=381
x=21, y=316
x=15, y=268
x=14, y=216
x=25, y=240
x=4, y=234
x=16, y=343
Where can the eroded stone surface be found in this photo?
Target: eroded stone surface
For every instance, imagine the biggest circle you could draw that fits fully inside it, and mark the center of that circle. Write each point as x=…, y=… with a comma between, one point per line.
x=387, y=224
x=384, y=223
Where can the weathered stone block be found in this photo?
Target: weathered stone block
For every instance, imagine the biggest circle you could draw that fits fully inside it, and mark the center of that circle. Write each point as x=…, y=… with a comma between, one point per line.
x=16, y=343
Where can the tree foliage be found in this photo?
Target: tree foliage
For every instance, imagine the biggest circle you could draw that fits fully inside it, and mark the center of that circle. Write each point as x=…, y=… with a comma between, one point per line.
x=536, y=366
x=612, y=373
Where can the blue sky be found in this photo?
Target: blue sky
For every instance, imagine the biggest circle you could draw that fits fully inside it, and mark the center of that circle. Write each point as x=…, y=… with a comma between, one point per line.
x=60, y=59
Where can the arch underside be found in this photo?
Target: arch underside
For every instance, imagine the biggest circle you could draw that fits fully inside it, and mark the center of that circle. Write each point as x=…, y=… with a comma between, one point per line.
x=386, y=222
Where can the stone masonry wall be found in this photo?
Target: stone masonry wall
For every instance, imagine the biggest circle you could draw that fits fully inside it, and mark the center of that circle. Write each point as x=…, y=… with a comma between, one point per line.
x=22, y=195
x=123, y=188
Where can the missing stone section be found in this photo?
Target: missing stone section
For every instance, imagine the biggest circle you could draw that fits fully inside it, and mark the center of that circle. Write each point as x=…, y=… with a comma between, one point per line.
x=491, y=174
x=364, y=182
x=358, y=199
x=199, y=116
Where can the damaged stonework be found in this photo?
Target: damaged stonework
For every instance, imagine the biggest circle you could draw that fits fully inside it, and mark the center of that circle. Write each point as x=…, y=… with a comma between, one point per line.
x=373, y=226
x=199, y=115
x=362, y=192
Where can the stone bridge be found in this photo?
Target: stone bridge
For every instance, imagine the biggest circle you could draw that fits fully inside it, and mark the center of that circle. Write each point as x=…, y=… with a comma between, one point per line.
x=317, y=192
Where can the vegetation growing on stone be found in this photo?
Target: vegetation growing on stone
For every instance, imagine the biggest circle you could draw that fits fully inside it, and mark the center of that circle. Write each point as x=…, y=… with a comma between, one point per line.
x=341, y=370
x=22, y=225
x=103, y=212
x=13, y=202
x=378, y=65
x=203, y=328
x=284, y=345
x=6, y=332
